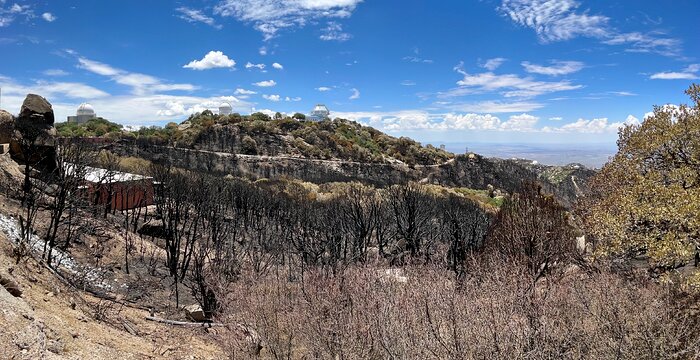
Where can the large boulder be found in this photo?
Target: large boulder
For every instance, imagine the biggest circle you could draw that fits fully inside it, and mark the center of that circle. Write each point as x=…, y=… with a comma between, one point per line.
x=37, y=110
x=35, y=120
x=35, y=133
x=7, y=127
x=195, y=313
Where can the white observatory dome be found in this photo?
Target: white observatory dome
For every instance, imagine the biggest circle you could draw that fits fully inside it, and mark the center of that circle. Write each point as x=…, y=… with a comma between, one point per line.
x=85, y=109
x=320, y=112
x=225, y=108
x=320, y=109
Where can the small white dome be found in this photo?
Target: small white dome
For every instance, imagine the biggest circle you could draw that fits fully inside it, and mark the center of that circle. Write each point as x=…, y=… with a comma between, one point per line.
x=225, y=108
x=85, y=109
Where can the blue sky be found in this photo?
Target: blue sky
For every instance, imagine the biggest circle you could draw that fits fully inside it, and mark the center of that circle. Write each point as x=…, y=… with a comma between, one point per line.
x=554, y=71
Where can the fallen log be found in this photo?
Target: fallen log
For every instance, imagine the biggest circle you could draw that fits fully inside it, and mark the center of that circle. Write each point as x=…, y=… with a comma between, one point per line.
x=186, y=323
x=248, y=334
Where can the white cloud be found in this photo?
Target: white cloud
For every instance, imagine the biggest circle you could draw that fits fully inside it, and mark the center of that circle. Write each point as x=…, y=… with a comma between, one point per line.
x=97, y=67
x=493, y=64
x=355, y=94
x=270, y=16
x=334, y=32
x=555, y=20
x=470, y=122
x=416, y=59
x=323, y=88
x=266, y=83
x=140, y=83
x=277, y=66
x=408, y=83
x=174, y=107
x=55, y=72
x=556, y=118
x=508, y=85
x=558, y=20
x=522, y=122
x=274, y=98
x=674, y=76
x=9, y=14
x=556, y=68
x=647, y=43
x=622, y=93
x=251, y=65
x=595, y=126
x=412, y=120
x=408, y=120
x=240, y=91
x=213, y=59
x=496, y=107
x=48, y=17
x=70, y=90
x=263, y=50
x=194, y=16
x=292, y=99
x=689, y=73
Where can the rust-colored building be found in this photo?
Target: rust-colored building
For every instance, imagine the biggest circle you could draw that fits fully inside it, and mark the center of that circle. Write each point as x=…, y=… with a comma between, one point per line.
x=121, y=190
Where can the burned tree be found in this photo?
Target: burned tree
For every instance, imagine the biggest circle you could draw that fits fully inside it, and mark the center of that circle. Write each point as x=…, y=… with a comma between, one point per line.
x=532, y=230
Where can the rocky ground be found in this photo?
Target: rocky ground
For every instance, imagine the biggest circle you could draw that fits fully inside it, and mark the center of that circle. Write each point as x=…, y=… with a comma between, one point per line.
x=52, y=320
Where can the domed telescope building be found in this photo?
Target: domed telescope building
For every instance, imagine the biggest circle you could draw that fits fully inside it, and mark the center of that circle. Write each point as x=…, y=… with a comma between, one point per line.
x=84, y=113
x=225, y=109
x=320, y=112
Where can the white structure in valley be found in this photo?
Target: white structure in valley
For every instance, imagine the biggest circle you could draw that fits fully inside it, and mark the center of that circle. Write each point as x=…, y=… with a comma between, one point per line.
x=320, y=112
x=225, y=109
x=84, y=113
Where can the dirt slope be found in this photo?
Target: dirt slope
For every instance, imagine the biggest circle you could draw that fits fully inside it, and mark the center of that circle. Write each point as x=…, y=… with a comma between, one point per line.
x=54, y=321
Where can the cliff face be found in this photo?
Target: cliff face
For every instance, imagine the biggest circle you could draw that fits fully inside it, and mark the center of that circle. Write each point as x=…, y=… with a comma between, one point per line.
x=263, y=166
x=471, y=171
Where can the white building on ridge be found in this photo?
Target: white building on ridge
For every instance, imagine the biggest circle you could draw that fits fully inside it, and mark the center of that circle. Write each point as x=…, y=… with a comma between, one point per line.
x=84, y=113
x=320, y=112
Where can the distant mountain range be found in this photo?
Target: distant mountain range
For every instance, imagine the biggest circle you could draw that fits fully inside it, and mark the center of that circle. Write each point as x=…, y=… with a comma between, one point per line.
x=591, y=155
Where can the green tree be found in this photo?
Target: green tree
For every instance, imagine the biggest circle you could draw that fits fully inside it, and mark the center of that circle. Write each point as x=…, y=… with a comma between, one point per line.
x=645, y=200
x=259, y=116
x=249, y=146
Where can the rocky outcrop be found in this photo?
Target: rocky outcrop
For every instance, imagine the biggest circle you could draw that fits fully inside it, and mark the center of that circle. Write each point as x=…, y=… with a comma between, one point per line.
x=10, y=174
x=37, y=111
x=10, y=285
x=7, y=127
x=474, y=172
x=33, y=140
x=270, y=167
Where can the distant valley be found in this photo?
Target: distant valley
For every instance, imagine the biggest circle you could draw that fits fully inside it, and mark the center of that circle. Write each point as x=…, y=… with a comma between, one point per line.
x=590, y=155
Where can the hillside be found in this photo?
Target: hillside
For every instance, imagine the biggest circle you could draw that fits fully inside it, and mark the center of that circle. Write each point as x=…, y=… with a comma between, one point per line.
x=258, y=134
x=257, y=146
x=239, y=257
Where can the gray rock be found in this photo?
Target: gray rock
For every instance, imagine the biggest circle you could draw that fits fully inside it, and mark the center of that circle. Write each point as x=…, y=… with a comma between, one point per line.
x=7, y=127
x=195, y=313
x=10, y=285
x=38, y=110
